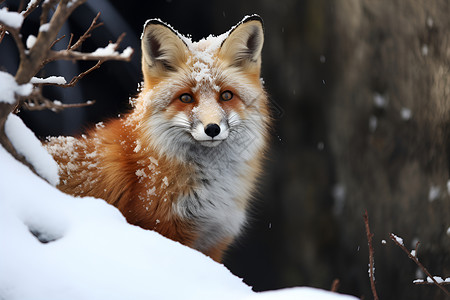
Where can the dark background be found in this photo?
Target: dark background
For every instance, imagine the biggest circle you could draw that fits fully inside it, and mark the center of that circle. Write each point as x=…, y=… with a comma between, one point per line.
x=335, y=151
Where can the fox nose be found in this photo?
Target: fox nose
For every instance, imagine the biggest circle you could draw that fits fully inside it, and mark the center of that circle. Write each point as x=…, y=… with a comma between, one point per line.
x=212, y=130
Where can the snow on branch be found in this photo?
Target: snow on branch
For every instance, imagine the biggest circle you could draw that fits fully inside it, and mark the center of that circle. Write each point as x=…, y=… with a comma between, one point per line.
x=436, y=280
x=10, y=90
x=40, y=48
x=32, y=5
x=102, y=54
x=431, y=280
x=37, y=52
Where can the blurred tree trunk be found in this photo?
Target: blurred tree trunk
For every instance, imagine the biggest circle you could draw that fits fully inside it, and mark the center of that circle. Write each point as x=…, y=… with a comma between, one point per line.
x=389, y=132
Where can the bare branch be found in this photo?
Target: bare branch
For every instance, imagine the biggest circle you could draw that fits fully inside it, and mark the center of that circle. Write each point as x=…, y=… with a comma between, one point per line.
x=371, y=257
x=86, y=35
x=77, y=78
x=119, y=40
x=56, y=41
x=32, y=63
x=36, y=101
x=414, y=258
x=70, y=41
x=41, y=52
x=99, y=56
x=32, y=60
x=54, y=105
x=75, y=55
x=74, y=80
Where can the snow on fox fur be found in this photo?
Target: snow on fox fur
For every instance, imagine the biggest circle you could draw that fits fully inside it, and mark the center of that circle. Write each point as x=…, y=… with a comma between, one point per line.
x=185, y=160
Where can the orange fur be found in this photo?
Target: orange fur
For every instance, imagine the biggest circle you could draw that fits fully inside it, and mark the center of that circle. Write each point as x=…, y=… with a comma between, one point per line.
x=114, y=179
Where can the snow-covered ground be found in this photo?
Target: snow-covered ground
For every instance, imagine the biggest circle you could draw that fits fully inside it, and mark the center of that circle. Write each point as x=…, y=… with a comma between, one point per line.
x=54, y=246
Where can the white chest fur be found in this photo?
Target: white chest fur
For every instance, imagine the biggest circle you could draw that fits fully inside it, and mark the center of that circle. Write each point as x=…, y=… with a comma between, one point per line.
x=215, y=204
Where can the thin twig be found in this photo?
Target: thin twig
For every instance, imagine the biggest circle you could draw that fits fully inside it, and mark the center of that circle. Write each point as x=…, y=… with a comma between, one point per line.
x=416, y=260
x=335, y=285
x=75, y=79
x=75, y=55
x=36, y=101
x=371, y=257
x=56, y=41
x=119, y=40
x=30, y=9
x=54, y=106
x=70, y=42
x=85, y=35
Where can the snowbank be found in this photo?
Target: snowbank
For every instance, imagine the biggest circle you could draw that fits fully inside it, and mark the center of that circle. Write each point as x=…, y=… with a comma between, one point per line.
x=55, y=246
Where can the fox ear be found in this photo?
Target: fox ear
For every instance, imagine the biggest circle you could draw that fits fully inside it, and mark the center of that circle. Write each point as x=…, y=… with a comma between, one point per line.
x=163, y=50
x=244, y=43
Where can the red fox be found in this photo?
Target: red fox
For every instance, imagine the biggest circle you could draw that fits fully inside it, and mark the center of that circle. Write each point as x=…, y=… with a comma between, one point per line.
x=184, y=162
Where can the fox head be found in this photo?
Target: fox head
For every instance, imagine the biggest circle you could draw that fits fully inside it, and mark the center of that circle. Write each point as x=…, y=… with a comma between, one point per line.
x=206, y=94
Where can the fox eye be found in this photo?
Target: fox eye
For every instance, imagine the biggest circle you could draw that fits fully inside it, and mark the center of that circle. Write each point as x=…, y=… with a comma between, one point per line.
x=186, y=98
x=226, y=96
